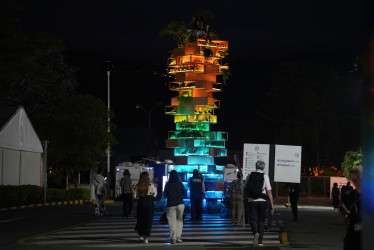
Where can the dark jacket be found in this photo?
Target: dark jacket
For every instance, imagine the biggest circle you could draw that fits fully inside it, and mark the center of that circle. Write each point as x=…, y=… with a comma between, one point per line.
x=196, y=185
x=174, y=192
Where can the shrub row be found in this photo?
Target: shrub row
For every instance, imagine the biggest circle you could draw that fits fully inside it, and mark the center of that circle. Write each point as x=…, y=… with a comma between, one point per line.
x=30, y=194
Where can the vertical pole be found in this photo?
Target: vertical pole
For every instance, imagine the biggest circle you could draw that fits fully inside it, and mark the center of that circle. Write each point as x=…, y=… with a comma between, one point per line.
x=149, y=119
x=45, y=171
x=108, y=149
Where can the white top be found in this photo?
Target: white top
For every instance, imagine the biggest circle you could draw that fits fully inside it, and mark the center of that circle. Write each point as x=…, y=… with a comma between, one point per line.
x=152, y=190
x=265, y=188
x=99, y=182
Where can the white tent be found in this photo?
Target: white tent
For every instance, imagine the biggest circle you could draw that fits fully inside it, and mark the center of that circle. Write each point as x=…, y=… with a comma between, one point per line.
x=20, y=149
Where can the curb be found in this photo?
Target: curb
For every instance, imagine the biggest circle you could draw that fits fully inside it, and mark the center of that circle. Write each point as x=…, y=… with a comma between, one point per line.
x=57, y=203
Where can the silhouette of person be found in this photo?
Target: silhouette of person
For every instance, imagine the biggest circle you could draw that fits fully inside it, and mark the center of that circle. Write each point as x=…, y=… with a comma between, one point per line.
x=335, y=194
x=352, y=208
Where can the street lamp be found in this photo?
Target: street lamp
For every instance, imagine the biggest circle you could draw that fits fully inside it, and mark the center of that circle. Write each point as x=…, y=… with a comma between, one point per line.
x=148, y=112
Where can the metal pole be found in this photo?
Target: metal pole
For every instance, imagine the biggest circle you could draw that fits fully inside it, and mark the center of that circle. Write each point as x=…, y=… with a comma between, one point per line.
x=108, y=149
x=149, y=119
x=45, y=171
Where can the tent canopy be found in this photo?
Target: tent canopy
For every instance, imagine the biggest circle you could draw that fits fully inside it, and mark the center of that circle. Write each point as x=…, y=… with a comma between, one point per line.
x=17, y=132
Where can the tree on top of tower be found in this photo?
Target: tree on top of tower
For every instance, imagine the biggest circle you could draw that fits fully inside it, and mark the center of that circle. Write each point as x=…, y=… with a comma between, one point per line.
x=183, y=34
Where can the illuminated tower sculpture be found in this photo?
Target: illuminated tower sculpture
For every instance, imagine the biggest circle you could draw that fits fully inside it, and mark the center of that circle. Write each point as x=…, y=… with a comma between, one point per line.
x=195, y=68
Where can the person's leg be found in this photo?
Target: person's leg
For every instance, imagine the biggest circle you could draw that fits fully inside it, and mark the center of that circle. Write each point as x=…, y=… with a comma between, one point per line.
x=261, y=208
x=179, y=221
x=199, y=208
x=193, y=207
x=233, y=207
x=253, y=216
x=294, y=208
x=124, y=208
x=239, y=205
x=171, y=214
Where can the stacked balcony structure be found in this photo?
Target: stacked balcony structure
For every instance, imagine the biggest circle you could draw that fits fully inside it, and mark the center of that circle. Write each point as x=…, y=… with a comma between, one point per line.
x=195, y=69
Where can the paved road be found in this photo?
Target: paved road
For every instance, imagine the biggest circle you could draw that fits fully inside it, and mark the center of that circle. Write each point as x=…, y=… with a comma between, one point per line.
x=75, y=227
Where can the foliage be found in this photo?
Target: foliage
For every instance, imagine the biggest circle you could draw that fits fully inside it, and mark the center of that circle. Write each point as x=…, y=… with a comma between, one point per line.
x=207, y=52
x=179, y=32
x=31, y=194
x=226, y=75
x=311, y=106
x=79, y=134
x=351, y=159
x=33, y=71
x=183, y=33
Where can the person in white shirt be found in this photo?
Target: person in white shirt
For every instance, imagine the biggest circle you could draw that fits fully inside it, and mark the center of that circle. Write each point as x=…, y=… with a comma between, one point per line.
x=145, y=192
x=258, y=190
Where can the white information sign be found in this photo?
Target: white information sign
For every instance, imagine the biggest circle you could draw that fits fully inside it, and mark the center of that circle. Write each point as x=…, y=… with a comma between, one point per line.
x=230, y=173
x=287, y=166
x=253, y=153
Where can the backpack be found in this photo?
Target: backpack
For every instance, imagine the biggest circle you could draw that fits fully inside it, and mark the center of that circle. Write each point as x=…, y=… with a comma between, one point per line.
x=254, y=186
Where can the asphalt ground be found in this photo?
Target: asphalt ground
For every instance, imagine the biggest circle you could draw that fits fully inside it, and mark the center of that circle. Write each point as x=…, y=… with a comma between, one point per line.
x=319, y=226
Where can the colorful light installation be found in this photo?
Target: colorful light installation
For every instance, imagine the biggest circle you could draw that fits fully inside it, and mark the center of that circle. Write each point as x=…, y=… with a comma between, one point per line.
x=195, y=68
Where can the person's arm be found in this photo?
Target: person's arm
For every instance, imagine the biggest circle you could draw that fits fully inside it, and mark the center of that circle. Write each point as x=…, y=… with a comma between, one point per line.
x=135, y=193
x=270, y=196
x=154, y=191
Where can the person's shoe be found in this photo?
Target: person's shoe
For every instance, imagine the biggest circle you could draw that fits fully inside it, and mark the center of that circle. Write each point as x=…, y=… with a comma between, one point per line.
x=173, y=241
x=260, y=242
x=146, y=241
x=179, y=240
x=255, y=239
x=141, y=239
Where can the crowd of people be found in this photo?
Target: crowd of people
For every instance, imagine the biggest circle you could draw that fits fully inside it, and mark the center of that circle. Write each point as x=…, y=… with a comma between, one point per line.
x=255, y=191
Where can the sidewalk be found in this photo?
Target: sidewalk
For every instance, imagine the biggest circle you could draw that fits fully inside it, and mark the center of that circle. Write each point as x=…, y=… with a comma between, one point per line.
x=319, y=226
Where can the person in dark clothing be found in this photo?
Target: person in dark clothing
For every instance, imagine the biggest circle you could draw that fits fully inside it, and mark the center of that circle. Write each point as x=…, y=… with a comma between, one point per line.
x=174, y=191
x=145, y=192
x=126, y=189
x=196, y=184
x=352, y=208
x=335, y=194
x=293, y=189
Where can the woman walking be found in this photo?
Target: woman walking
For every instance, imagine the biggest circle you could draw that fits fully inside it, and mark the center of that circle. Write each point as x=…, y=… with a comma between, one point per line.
x=126, y=189
x=174, y=191
x=145, y=192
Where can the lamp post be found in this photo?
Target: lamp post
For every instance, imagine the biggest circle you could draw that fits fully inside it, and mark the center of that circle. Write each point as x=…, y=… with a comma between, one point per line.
x=108, y=149
x=148, y=112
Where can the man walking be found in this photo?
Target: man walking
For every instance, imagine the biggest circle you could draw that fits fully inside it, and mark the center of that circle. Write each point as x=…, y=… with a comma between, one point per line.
x=196, y=184
x=258, y=190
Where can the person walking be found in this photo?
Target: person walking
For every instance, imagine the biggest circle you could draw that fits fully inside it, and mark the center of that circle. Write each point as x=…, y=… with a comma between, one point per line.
x=196, y=184
x=352, y=208
x=145, y=192
x=174, y=191
x=235, y=191
x=293, y=192
x=126, y=189
x=258, y=190
x=100, y=192
x=335, y=194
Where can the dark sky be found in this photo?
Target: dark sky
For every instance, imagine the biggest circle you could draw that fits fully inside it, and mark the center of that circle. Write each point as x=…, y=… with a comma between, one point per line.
x=261, y=34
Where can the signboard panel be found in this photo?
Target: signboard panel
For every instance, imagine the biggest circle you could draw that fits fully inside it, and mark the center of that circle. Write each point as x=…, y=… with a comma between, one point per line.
x=230, y=173
x=287, y=167
x=253, y=153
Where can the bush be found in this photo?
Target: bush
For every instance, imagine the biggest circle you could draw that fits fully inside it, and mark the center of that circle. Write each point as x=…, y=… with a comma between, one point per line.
x=29, y=194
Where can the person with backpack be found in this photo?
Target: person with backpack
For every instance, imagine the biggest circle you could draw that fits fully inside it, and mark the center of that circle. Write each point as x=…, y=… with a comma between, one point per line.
x=258, y=189
x=126, y=189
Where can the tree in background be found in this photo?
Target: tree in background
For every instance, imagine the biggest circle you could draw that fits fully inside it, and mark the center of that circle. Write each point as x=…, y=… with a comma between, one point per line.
x=311, y=106
x=351, y=159
x=79, y=135
x=33, y=71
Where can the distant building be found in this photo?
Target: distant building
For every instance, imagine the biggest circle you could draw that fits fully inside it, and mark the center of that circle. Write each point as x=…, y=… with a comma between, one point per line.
x=20, y=149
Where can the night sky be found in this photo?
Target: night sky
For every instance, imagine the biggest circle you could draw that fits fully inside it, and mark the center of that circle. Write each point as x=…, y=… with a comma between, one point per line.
x=261, y=34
